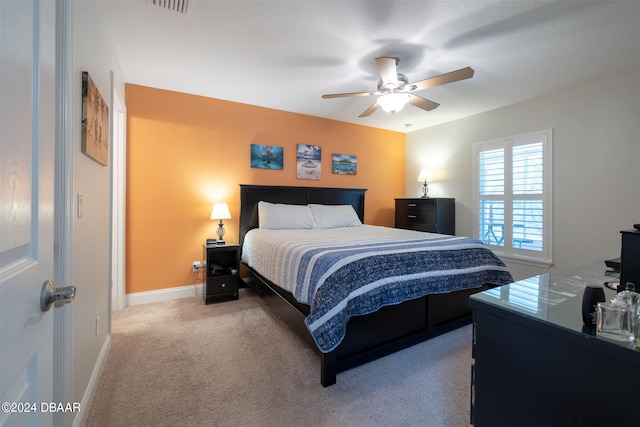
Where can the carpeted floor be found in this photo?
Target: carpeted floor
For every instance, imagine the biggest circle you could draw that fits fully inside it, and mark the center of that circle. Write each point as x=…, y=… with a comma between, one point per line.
x=234, y=364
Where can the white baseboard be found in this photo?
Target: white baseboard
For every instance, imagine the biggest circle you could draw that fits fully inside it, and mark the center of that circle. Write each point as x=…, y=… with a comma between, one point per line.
x=90, y=391
x=159, y=295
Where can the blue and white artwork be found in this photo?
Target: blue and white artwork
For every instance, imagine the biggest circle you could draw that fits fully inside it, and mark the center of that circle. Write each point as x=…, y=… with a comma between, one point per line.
x=344, y=164
x=267, y=156
x=308, y=161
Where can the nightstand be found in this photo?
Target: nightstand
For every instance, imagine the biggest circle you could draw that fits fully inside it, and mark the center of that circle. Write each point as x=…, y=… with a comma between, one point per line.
x=222, y=273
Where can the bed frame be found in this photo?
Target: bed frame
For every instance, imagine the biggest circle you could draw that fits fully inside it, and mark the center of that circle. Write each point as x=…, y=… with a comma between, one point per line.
x=368, y=337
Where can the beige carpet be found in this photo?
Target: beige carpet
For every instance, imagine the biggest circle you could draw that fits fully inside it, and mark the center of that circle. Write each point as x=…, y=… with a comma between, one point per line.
x=183, y=363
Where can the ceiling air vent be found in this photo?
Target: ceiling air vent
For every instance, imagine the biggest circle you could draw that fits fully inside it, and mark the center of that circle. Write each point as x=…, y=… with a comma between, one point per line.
x=175, y=5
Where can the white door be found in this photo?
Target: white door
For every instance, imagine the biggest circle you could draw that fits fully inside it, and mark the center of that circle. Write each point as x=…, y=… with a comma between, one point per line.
x=27, y=138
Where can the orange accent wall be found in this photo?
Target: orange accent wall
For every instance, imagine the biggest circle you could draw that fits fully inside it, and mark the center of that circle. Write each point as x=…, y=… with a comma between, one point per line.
x=185, y=152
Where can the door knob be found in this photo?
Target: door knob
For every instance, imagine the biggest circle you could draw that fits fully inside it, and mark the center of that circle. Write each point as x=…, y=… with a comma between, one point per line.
x=58, y=296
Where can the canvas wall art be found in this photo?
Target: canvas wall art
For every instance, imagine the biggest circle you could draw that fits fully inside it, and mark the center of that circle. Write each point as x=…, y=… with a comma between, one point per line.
x=267, y=156
x=308, y=161
x=95, y=122
x=344, y=164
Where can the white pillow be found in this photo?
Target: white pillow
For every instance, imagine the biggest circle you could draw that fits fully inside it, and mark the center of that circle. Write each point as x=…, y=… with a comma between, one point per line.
x=278, y=216
x=333, y=216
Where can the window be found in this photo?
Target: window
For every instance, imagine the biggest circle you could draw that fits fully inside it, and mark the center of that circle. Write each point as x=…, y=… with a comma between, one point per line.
x=512, y=196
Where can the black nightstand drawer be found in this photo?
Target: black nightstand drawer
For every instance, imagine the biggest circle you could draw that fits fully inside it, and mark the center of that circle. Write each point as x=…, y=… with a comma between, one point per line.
x=221, y=288
x=222, y=284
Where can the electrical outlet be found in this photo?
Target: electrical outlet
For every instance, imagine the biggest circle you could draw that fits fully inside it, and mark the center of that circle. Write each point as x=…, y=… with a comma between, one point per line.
x=197, y=265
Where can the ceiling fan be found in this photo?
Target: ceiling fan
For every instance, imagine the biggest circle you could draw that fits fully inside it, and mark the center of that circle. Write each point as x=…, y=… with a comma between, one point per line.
x=395, y=90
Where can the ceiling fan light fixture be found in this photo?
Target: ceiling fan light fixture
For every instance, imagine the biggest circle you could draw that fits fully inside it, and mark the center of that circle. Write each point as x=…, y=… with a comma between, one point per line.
x=394, y=90
x=393, y=102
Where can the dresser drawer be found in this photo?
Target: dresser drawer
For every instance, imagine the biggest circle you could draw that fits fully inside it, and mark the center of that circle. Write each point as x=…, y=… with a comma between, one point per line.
x=429, y=228
x=420, y=211
x=416, y=216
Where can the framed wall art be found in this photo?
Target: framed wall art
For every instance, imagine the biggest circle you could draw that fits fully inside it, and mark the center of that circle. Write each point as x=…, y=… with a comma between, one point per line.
x=308, y=161
x=344, y=164
x=95, y=122
x=267, y=156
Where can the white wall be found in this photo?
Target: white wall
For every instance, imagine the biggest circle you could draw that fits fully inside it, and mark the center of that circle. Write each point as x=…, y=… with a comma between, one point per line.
x=95, y=53
x=596, y=164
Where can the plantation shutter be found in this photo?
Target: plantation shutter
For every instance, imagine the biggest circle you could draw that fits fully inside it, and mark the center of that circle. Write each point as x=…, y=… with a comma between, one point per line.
x=512, y=192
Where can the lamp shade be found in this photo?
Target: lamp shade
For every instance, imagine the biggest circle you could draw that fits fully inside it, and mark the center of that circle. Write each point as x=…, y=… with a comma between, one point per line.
x=425, y=175
x=220, y=211
x=393, y=102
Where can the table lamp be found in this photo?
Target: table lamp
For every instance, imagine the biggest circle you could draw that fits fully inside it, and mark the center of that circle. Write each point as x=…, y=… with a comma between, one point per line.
x=424, y=177
x=220, y=211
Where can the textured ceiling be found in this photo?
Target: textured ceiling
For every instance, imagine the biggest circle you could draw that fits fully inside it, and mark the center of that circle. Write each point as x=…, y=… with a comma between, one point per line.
x=287, y=54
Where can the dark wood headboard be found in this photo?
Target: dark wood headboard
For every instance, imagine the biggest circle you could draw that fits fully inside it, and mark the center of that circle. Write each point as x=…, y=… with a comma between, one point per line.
x=250, y=195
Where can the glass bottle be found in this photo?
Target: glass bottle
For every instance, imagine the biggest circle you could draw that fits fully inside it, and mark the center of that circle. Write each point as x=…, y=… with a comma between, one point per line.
x=630, y=296
x=632, y=300
x=615, y=320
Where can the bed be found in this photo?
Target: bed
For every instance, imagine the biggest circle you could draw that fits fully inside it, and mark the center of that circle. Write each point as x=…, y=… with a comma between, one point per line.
x=312, y=275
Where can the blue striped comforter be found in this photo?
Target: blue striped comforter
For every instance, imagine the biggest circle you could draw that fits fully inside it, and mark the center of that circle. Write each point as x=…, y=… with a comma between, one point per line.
x=361, y=269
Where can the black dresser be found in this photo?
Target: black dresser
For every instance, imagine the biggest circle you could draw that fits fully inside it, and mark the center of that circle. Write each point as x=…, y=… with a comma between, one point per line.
x=537, y=365
x=434, y=215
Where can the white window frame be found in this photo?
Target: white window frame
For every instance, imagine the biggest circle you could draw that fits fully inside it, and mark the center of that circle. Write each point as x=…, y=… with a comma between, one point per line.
x=543, y=258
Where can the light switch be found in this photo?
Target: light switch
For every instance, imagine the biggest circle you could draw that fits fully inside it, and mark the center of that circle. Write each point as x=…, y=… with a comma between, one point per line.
x=80, y=207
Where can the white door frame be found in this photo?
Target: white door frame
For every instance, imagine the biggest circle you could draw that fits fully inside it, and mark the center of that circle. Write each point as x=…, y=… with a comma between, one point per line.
x=118, y=198
x=63, y=211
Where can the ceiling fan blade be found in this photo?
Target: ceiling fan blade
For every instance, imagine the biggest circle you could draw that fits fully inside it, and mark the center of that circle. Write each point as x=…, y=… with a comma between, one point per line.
x=442, y=79
x=388, y=69
x=423, y=103
x=370, y=110
x=342, y=95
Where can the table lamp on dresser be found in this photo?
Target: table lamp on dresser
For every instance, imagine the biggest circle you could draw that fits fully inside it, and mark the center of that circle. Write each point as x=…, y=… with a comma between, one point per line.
x=424, y=177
